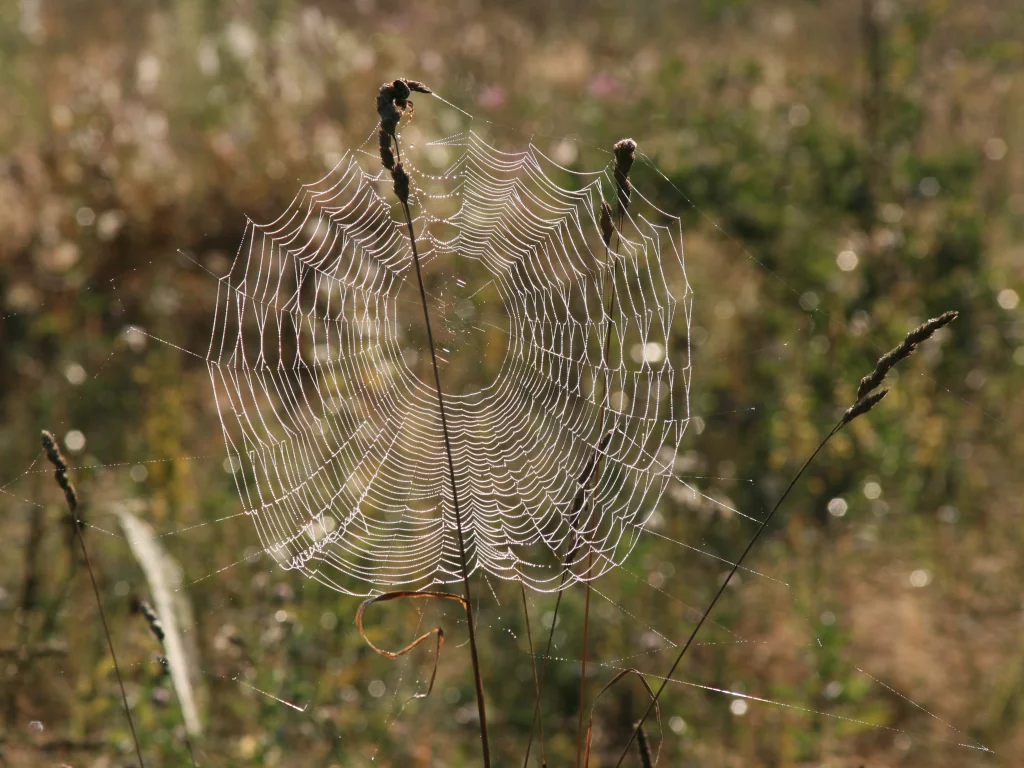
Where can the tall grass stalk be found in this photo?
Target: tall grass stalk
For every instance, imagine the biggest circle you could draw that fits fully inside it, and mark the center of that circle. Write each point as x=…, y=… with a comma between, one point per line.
x=867, y=398
x=625, y=152
x=392, y=103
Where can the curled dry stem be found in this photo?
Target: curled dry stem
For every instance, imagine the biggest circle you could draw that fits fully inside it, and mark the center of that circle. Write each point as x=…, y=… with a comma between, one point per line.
x=436, y=631
x=645, y=755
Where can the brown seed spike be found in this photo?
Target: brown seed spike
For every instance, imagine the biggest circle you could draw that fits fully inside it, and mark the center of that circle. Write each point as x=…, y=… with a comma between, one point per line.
x=607, y=228
x=152, y=618
x=401, y=183
x=61, y=472
x=393, y=102
x=862, y=406
x=644, y=747
x=402, y=91
x=903, y=350
x=386, y=109
x=926, y=329
x=625, y=154
x=387, y=157
x=417, y=87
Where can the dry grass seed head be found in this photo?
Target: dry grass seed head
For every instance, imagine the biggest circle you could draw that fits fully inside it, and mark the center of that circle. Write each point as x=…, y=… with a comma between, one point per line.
x=862, y=406
x=393, y=104
x=902, y=350
x=60, y=470
x=387, y=157
x=152, y=619
x=625, y=154
x=607, y=228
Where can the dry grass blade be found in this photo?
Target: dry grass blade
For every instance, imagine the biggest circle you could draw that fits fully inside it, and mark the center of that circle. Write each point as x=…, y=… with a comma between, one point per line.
x=608, y=686
x=436, y=631
x=162, y=575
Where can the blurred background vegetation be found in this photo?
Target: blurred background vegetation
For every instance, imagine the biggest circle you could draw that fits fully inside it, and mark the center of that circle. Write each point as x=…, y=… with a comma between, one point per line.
x=844, y=170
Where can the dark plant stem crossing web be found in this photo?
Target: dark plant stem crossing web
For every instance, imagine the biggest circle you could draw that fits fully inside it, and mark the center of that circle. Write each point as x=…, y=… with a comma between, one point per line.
x=481, y=706
x=610, y=312
x=392, y=103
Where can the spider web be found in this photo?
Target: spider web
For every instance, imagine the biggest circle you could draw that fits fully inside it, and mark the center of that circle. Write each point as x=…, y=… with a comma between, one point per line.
x=337, y=440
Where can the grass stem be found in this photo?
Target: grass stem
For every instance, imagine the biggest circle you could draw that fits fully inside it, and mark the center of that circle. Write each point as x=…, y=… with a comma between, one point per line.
x=610, y=313
x=533, y=660
x=725, y=583
x=60, y=473
x=477, y=678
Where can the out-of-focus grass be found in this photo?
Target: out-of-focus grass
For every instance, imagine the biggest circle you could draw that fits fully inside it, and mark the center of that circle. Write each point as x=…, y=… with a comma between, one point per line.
x=129, y=133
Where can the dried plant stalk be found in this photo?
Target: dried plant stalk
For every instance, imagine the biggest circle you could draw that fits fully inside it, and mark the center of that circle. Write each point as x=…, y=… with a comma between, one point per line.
x=392, y=103
x=625, y=154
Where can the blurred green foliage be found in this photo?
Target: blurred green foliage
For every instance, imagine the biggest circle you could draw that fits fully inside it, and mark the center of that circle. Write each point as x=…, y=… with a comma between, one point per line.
x=844, y=171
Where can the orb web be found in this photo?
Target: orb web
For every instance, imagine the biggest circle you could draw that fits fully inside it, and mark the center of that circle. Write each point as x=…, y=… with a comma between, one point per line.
x=332, y=425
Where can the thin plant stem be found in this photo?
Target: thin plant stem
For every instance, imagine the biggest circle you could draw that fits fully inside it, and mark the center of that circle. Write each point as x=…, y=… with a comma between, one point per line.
x=543, y=675
x=477, y=678
x=533, y=660
x=30, y=583
x=583, y=669
x=728, y=578
x=53, y=454
x=612, y=301
x=565, y=571
x=110, y=644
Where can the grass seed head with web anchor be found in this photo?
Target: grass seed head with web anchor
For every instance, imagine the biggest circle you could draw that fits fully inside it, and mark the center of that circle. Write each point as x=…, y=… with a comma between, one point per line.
x=903, y=350
x=867, y=398
x=625, y=154
x=393, y=103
